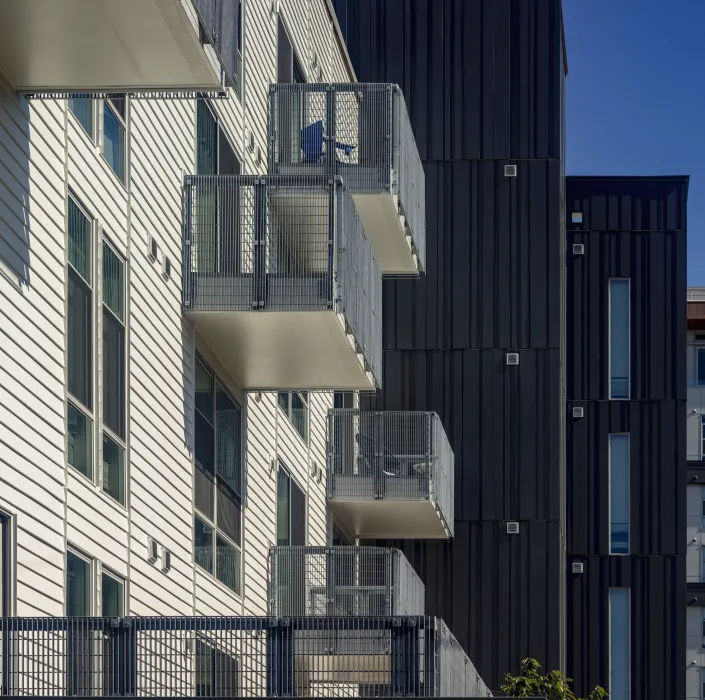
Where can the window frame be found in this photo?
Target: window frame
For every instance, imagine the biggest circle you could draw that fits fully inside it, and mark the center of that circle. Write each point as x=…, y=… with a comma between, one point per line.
x=77, y=404
x=220, y=133
x=123, y=122
x=699, y=348
x=609, y=492
x=91, y=562
x=629, y=338
x=283, y=469
x=102, y=427
x=217, y=481
x=629, y=637
x=305, y=397
x=91, y=110
x=105, y=572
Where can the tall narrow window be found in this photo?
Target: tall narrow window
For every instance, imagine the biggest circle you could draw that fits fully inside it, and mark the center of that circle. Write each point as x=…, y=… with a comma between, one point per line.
x=115, y=135
x=291, y=511
x=218, y=479
x=619, y=494
x=295, y=406
x=80, y=340
x=78, y=586
x=113, y=374
x=112, y=594
x=619, y=338
x=700, y=366
x=619, y=644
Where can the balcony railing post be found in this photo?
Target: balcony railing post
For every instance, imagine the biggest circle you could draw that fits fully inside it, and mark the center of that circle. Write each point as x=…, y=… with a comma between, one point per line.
x=6, y=658
x=378, y=418
x=186, y=255
x=259, y=282
x=330, y=131
x=280, y=658
x=335, y=226
x=430, y=651
x=404, y=660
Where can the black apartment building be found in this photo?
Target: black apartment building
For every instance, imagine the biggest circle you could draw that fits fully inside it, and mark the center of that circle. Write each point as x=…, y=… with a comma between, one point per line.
x=548, y=332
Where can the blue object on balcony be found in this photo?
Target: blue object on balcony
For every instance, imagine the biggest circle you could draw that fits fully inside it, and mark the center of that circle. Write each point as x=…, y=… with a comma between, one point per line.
x=312, y=143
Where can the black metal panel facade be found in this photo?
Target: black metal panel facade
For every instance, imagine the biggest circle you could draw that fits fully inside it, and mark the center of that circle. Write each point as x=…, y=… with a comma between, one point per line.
x=657, y=622
x=498, y=592
x=656, y=476
x=627, y=203
x=481, y=78
x=655, y=263
x=502, y=421
x=494, y=261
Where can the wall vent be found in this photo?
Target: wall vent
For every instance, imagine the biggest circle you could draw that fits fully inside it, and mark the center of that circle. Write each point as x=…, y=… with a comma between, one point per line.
x=166, y=267
x=510, y=171
x=578, y=249
x=512, y=358
x=578, y=567
x=258, y=157
x=152, y=550
x=578, y=412
x=152, y=248
x=250, y=140
x=166, y=561
x=512, y=528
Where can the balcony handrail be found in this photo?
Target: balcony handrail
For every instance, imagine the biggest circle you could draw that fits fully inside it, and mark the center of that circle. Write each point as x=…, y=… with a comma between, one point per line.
x=358, y=131
x=280, y=243
x=696, y=294
x=234, y=657
x=371, y=449
x=343, y=580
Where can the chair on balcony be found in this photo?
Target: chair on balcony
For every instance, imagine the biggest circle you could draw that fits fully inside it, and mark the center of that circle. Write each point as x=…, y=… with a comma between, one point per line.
x=312, y=144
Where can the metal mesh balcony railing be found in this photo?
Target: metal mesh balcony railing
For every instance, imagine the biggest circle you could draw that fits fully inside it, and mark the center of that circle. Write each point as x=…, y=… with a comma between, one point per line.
x=235, y=657
x=263, y=244
x=343, y=581
x=358, y=131
x=390, y=455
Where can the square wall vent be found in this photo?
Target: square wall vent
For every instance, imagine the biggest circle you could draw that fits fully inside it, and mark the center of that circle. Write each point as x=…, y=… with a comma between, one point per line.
x=152, y=550
x=512, y=528
x=510, y=171
x=578, y=567
x=578, y=249
x=578, y=412
x=512, y=358
x=152, y=248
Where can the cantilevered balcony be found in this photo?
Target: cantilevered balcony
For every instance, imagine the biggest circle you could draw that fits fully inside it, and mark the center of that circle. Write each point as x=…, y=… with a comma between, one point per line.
x=360, y=132
x=280, y=280
x=88, y=46
x=229, y=657
x=343, y=581
x=390, y=474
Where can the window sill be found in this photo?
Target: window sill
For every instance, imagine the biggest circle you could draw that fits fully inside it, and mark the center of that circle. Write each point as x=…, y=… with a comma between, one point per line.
x=211, y=577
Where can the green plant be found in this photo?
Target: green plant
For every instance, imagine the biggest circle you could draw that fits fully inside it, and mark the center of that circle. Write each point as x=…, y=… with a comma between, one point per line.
x=554, y=685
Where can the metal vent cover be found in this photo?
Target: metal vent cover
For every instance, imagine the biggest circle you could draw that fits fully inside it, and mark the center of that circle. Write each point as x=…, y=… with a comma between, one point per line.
x=578, y=567
x=578, y=412
x=512, y=358
x=510, y=171
x=512, y=528
x=578, y=249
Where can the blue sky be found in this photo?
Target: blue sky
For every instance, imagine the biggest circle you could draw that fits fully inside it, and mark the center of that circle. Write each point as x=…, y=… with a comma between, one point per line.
x=636, y=97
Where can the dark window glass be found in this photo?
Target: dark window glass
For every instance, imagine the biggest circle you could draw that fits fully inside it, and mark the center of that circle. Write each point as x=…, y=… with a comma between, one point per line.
x=216, y=673
x=228, y=513
x=113, y=469
x=298, y=515
x=113, y=374
x=291, y=511
x=79, y=340
x=701, y=367
x=205, y=490
x=228, y=447
x=227, y=564
x=283, y=532
x=83, y=110
x=112, y=596
x=205, y=447
x=285, y=55
x=114, y=141
x=228, y=161
x=619, y=493
x=79, y=440
x=206, y=140
x=79, y=242
x=78, y=597
x=203, y=545
x=204, y=391
x=619, y=338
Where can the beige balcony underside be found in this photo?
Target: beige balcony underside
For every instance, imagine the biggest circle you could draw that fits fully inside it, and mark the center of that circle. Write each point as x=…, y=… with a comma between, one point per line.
x=315, y=669
x=104, y=45
x=385, y=228
x=272, y=350
x=387, y=519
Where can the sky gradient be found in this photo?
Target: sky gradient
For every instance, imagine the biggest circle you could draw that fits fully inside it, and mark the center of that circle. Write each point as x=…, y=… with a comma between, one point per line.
x=636, y=97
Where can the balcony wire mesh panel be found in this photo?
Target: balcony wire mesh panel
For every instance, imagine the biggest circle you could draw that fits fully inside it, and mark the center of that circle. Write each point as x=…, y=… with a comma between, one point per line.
x=343, y=581
x=390, y=455
x=281, y=244
x=360, y=132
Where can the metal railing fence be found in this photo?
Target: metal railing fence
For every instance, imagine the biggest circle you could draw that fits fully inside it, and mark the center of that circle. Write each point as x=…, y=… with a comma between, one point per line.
x=234, y=657
x=358, y=131
x=390, y=455
x=343, y=581
x=281, y=244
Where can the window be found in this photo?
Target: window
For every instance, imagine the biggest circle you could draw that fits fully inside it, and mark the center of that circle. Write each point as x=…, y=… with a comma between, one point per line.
x=81, y=336
x=619, y=338
x=700, y=366
x=6, y=583
x=702, y=682
x=112, y=595
x=78, y=586
x=115, y=135
x=702, y=628
x=218, y=479
x=113, y=378
x=619, y=493
x=294, y=404
x=289, y=68
x=702, y=505
x=339, y=539
x=291, y=510
x=344, y=399
x=83, y=111
x=619, y=644
x=702, y=437
x=217, y=673
x=80, y=340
